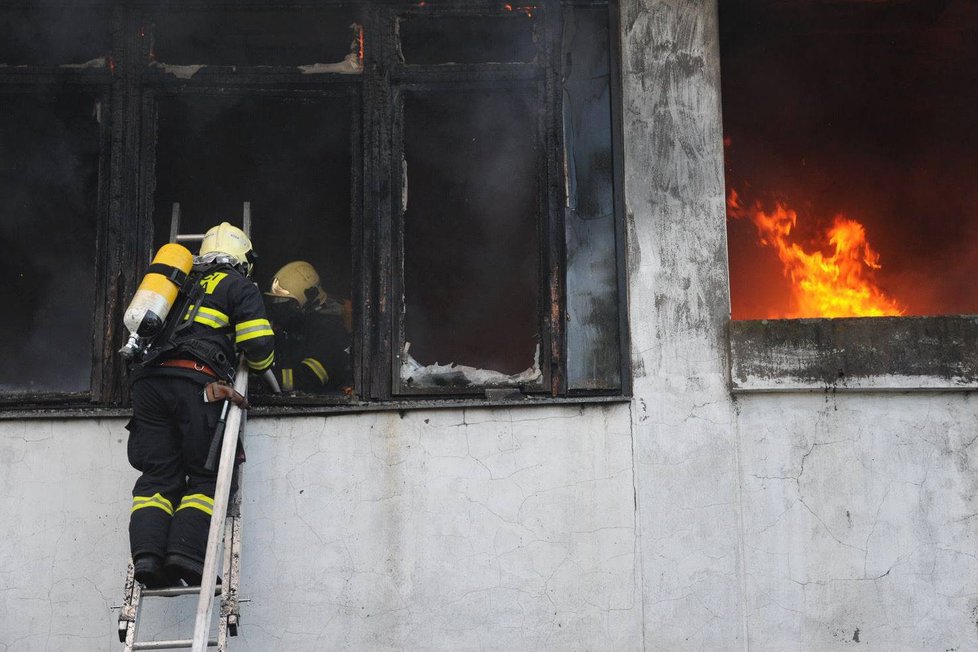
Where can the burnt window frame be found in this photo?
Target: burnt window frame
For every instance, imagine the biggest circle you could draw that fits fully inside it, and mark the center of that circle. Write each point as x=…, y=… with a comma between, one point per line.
x=127, y=181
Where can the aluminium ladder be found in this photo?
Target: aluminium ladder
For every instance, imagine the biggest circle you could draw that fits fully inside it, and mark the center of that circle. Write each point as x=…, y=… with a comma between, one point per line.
x=226, y=515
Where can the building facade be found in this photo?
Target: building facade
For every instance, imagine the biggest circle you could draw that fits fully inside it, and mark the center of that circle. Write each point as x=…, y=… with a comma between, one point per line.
x=733, y=499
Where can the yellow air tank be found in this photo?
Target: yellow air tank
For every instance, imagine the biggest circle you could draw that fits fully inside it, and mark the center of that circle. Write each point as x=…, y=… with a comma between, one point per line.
x=158, y=290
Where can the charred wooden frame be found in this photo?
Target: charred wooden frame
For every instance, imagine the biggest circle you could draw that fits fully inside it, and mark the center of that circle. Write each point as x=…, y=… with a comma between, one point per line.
x=127, y=183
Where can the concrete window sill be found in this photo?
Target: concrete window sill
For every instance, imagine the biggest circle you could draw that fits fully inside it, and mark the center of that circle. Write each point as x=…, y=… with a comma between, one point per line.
x=869, y=354
x=402, y=407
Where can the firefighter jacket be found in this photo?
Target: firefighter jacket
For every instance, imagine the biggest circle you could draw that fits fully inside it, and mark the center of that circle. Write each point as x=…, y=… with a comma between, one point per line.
x=313, y=352
x=230, y=316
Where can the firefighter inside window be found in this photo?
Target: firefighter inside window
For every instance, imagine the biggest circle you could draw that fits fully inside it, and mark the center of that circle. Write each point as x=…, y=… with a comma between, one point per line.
x=312, y=332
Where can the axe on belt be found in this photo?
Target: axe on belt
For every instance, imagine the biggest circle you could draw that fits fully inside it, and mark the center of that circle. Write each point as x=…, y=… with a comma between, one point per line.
x=221, y=391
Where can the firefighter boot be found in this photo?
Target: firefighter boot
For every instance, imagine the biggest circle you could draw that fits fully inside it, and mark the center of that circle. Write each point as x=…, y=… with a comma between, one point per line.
x=149, y=571
x=187, y=569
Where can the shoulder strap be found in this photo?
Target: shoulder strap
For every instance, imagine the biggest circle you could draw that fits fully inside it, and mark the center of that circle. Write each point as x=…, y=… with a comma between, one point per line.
x=189, y=294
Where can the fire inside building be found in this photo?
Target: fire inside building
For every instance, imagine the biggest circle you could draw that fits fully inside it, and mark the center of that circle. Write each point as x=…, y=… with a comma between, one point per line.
x=849, y=139
x=658, y=329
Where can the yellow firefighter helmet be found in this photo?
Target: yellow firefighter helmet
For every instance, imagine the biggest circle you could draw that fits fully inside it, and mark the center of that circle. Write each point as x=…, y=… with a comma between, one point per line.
x=230, y=241
x=298, y=280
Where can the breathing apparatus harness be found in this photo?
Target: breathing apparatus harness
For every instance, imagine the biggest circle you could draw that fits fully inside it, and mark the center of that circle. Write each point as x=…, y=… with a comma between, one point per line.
x=201, y=345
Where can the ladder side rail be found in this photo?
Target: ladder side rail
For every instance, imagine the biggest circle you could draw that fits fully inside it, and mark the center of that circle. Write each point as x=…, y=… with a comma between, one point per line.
x=227, y=624
x=208, y=581
x=246, y=218
x=175, y=222
x=129, y=612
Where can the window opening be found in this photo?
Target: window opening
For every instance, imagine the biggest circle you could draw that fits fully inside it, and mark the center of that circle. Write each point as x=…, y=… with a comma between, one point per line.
x=850, y=140
x=471, y=197
x=49, y=179
x=291, y=158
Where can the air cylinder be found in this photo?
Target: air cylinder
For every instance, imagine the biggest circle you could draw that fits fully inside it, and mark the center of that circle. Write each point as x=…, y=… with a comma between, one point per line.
x=158, y=290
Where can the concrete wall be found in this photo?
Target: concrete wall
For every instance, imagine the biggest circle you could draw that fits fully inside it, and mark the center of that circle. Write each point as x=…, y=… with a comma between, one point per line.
x=468, y=530
x=686, y=520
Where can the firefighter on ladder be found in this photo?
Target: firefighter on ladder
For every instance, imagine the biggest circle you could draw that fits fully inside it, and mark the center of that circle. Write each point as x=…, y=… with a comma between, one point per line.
x=176, y=406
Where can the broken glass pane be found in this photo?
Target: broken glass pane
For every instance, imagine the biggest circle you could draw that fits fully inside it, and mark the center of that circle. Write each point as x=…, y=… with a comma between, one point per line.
x=51, y=36
x=593, y=352
x=467, y=39
x=290, y=157
x=257, y=37
x=471, y=244
x=49, y=184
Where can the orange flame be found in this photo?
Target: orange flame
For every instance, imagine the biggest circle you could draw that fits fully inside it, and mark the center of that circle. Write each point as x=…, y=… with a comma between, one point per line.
x=837, y=285
x=360, y=43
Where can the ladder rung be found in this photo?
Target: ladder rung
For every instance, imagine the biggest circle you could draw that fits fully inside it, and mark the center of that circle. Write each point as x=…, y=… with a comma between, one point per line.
x=190, y=237
x=170, y=645
x=172, y=591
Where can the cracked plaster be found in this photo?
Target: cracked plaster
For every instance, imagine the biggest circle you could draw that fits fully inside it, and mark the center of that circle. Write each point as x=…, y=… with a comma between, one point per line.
x=455, y=530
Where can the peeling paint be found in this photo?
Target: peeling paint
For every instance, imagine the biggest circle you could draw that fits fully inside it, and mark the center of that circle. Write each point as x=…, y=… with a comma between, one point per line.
x=180, y=72
x=100, y=62
x=351, y=65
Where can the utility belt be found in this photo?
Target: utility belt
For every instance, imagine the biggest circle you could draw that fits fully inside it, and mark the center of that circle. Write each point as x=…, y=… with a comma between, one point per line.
x=182, y=363
x=199, y=354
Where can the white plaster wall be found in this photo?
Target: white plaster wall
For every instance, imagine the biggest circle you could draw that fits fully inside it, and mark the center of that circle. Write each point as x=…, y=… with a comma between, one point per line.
x=861, y=521
x=685, y=449
x=462, y=530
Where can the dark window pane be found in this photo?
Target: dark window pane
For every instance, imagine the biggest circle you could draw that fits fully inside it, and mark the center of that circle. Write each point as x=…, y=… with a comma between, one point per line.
x=467, y=39
x=255, y=37
x=290, y=157
x=49, y=159
x=593, y=352
x=471, y=261
x=50, y=36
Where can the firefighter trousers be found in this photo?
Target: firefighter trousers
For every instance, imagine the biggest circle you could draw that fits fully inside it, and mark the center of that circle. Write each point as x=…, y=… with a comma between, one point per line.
x=169, y=438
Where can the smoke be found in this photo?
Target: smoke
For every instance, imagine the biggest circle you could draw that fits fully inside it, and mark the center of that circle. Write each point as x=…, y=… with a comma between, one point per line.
x=471, y=244
x=54, y=35
x=265, y=36
x=49, y=150
x=467, y=39
x=290, y=157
